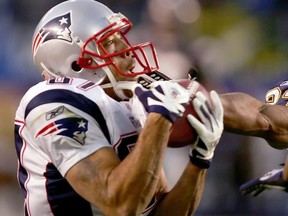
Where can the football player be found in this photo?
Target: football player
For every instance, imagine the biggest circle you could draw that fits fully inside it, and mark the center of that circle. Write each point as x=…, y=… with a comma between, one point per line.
x=276, y=178
x=244, y=114
x=94, y=134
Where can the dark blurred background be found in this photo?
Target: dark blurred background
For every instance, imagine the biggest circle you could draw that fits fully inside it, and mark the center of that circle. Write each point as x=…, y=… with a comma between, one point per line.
x=239, y=45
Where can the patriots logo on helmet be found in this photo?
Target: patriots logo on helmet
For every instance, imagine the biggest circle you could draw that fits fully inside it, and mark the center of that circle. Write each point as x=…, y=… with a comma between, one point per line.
x=73, y=127
x=57, y=28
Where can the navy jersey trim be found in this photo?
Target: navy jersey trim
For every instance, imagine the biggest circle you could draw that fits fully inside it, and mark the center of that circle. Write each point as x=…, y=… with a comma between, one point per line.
x=22, y=173
x=126, y=146
x=71, y=98
x=63, y=200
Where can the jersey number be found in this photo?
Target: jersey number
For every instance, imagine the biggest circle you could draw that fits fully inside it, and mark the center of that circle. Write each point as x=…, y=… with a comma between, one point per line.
x=85, y=86
x=276, y=96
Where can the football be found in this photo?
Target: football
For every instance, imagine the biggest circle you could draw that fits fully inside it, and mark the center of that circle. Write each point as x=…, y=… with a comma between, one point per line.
x=182, y=133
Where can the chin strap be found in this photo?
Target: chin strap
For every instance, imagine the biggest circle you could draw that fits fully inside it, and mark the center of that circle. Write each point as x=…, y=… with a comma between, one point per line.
x=119, y=86
x=144, y=80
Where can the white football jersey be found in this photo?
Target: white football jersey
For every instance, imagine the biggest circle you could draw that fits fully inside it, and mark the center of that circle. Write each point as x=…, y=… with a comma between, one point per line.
x=58, y=123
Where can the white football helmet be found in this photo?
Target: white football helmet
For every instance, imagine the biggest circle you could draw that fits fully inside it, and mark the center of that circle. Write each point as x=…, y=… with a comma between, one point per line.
x=67, y=42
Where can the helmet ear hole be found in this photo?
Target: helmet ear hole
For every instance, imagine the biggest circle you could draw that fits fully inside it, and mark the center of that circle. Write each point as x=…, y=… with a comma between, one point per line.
x=76, y=67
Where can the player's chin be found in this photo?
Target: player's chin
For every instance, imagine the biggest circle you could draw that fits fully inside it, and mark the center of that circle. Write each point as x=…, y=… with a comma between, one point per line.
x=130, y=74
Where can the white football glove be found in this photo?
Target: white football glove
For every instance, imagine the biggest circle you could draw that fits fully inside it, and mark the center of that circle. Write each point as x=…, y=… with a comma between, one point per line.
x=209, y=129
x=164, y=97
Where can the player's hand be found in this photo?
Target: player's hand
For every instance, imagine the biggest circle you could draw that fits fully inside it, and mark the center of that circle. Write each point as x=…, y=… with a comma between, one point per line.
x=271, y=180
x=209, y=129
x=164, y=97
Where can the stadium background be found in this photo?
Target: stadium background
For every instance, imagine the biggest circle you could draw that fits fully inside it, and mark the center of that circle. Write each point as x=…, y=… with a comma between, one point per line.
x=239, y=45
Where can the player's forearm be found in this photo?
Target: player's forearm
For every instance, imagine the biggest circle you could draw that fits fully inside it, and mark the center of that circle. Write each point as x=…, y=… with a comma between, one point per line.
x=277, y=116
x=188, y=190
x=242, y=115
x=246, y=115
x=140, y=170
x=285, y=169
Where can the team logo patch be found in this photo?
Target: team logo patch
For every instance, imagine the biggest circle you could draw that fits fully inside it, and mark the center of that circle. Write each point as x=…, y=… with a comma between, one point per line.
x=73, y=127
x=57, y=28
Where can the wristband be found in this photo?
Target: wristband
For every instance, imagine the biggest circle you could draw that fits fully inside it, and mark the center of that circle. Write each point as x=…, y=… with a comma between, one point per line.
x=204, y=164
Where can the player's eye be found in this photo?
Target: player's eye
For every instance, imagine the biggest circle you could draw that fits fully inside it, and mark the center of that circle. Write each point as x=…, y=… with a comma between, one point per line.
x=110, y=42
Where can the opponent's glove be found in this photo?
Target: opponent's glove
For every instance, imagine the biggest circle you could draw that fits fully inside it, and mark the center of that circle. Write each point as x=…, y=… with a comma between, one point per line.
x=164, y=97
x=271, y=180
x=209, y=129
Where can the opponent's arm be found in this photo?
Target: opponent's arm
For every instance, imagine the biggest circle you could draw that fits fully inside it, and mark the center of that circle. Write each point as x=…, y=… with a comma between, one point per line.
x=277, y=178
x=273, y=179
x=244, y=114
